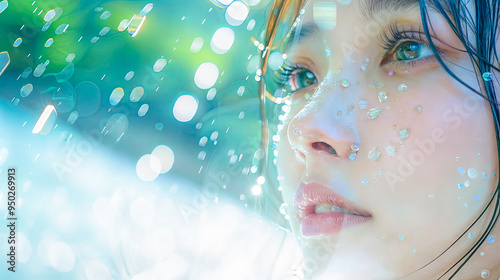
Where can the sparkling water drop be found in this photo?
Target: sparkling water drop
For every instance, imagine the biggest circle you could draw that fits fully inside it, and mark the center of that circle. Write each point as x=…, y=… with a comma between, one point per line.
x=374, y=154
x=461, y=170
x=391, y=151
x=402, y=87
x=487, y=76
x=374, y=113
x=404, y=134
x=472, y=173
x=345, y=83
x=485, y=273
x=382, y=96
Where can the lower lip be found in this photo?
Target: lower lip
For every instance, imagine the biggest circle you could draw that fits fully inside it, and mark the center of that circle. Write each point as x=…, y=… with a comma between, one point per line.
x=329, y=223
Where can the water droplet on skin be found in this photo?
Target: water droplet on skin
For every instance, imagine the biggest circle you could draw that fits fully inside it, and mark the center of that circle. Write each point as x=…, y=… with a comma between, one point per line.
x=374, y=154
x=487, y=76
x=364, y=182
x=470, y=235
x=418, y=109
x=355, y=148
x=391, y=151
x=345, y=83
x=472, y=173
x=374, y=113
x=460, y=186
x=402, y=87
x=363, y=104
x=461, y=170
x=352, y=156
x=401, y=237
x=404, y=134
x=485, y=273
x=382, y=96
x=491, y=239
x=296, y=131
x=467, y=184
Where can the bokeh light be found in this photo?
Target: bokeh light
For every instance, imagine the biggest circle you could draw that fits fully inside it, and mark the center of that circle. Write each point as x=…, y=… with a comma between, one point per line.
x=206, y=75
x=222, y=40
x=185, y=108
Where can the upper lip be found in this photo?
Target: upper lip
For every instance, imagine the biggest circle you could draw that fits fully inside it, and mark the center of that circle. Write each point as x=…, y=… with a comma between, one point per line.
x=307, y=196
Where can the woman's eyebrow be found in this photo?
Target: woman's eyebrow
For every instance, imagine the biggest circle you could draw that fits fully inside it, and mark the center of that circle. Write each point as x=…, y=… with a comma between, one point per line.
x=373, y=8
x=301, y=32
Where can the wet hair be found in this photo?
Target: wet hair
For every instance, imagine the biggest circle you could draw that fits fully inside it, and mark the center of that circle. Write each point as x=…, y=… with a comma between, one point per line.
x=478, y=32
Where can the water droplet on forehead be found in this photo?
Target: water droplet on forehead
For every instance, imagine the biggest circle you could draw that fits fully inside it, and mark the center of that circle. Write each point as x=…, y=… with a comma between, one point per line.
x=374, y=113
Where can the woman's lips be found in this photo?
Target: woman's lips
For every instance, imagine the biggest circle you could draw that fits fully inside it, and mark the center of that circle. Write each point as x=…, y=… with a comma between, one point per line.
x=309, y=195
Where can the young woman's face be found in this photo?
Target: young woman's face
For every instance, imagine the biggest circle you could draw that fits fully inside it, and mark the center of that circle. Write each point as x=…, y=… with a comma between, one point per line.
x=384, y=159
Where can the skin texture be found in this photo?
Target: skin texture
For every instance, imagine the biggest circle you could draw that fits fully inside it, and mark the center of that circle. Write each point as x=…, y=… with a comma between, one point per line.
x=418, y=209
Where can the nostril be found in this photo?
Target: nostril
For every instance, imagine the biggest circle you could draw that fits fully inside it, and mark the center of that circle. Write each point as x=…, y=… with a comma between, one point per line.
x=322, y=146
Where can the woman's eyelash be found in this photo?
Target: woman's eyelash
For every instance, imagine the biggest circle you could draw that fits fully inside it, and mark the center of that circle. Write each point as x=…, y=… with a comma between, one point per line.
x=283, y=74
x=391, y=39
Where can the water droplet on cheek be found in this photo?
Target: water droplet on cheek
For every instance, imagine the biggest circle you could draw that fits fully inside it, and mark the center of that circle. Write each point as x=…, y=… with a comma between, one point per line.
x=374, y=154
x=402, y=87
x=374, y=113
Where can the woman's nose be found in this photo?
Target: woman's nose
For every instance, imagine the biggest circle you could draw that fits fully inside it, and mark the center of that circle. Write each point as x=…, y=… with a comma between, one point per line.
x=317, y=129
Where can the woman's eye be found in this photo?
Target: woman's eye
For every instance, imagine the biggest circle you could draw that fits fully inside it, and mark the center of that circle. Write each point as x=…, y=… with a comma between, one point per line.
x=301, y=78
x=411, y=50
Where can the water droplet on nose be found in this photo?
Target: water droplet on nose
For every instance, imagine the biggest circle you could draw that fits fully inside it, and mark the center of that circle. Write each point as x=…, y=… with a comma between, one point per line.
x=404, y=134
x=391, y=151
x=374, y=113
x=374, y=154
x=472, y=173
x=418, y=109
x=382, y=96
x=345, y=83
x=355, y=148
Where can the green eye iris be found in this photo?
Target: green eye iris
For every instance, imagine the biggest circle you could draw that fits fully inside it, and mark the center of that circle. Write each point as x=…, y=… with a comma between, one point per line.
x=408, y=50
x=302, y=78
